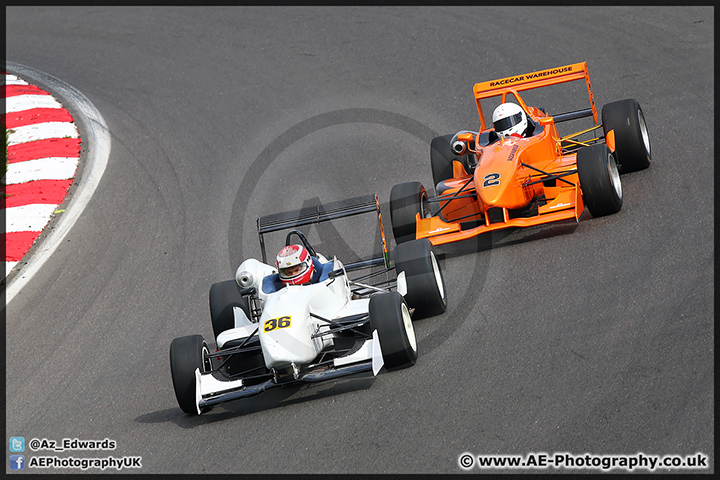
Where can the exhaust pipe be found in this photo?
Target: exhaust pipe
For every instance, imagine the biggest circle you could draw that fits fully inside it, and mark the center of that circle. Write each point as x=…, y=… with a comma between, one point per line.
x=459, y=148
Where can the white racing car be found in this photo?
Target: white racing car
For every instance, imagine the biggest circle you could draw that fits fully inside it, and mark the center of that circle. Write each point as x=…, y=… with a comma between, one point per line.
x=269, y=334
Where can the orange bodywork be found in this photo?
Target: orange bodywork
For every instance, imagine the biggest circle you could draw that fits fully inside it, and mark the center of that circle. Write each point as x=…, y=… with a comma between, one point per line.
x=517, y=182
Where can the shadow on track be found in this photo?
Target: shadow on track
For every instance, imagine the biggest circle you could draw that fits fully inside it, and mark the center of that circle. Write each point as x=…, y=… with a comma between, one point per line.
x=269, y=400
x=504, y=238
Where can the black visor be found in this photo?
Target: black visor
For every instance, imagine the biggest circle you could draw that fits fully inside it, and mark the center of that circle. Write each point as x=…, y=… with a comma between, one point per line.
x=508, y=122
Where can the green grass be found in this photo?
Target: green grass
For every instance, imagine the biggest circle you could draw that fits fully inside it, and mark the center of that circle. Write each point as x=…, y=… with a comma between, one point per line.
x=5, y=152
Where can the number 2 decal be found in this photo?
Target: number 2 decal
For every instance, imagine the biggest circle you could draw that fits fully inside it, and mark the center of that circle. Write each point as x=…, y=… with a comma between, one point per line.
x=273, y=323
x=491, y=179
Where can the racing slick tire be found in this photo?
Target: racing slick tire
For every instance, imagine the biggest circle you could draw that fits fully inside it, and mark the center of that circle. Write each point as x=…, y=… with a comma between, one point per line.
x=389, y=315
x=186, y=354
x=407, y=200
x=441, y=158
x=599, y=180
x=223, y=297
x=425, y=282
x=632, y=143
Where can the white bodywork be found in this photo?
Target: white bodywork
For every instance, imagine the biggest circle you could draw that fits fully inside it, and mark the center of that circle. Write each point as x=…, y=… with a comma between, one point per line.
x=292, y=305
x=286, y=326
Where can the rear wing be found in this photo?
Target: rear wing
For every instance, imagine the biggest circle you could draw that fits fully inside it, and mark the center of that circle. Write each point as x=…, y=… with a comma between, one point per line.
x=542, y=78
x=323, y=213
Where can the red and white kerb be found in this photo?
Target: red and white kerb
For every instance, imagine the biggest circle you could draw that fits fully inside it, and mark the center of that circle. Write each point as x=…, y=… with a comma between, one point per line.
x=42, y=157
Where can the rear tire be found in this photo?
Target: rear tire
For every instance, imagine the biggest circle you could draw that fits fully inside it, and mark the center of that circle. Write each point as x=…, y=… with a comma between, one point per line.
x=407, y=200
x=632, y=142
x=187, y=354
x=425, y=283
x=224, y=296
x=389, y=315
x=599, y=180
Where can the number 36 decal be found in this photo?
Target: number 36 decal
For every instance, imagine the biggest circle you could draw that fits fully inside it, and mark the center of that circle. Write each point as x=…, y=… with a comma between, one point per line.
x=491, y=179
x=273, y=323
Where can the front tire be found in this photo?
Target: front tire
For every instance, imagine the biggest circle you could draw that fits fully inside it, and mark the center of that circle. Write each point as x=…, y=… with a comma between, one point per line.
x=441, y=159
x=425, y=283
x=224, y=296
x=599, y=180
x=632, y=142
x=389, y=315
x=187, y=354
x=406, y=201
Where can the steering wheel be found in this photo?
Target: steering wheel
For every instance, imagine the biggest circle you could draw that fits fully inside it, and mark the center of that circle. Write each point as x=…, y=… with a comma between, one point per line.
x=302, y=238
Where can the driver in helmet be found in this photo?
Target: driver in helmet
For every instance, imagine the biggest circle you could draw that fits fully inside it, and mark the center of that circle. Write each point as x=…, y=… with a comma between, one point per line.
x=296, y=266
x=510, y=120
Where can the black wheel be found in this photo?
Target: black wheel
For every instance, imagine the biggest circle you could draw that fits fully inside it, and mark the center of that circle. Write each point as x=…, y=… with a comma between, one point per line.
x=223, y=297
x=632, y=143
x=441, y=158
x=407, y=200
x=389, y=315
x=425, y=283
x=187, y=354
x=599, y=180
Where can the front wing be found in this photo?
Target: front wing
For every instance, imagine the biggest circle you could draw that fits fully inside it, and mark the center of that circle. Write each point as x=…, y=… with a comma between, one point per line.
x=567, y=205
x=210, y=390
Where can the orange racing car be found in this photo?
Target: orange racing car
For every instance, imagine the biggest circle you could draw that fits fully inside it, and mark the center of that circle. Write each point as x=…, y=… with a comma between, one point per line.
x=518, y=171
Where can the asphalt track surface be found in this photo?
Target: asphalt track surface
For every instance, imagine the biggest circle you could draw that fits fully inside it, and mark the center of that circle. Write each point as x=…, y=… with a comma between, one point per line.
x=595, y=337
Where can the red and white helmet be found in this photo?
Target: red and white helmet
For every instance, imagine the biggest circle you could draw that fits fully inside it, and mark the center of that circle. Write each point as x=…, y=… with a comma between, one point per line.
x=509, y=119
x=294, y=265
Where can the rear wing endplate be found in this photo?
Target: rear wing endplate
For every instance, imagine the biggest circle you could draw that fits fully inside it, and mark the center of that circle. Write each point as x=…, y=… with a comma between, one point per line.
x=542, y=78
x=323, y=213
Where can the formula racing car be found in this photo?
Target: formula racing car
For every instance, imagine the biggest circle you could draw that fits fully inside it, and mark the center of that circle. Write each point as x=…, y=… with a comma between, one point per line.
x=269, y=333
x=518, y=171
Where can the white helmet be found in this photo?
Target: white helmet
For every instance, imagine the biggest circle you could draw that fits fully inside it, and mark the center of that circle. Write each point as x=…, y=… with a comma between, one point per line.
x=509, y=118
x=294, y=265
